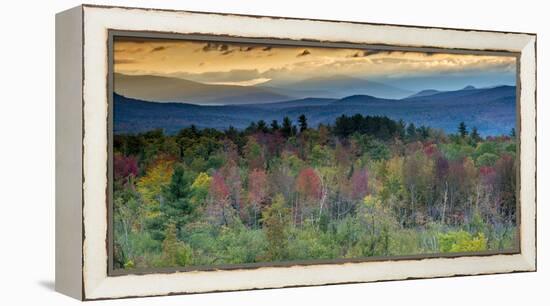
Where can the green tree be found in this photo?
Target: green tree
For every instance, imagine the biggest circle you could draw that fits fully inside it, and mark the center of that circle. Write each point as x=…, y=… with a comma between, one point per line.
x=411, y=132
x=287, y=127
x=462, y=129
x=262, y=126
x=302, y=121
x=275, y=126
x=401, y=129
x=199, y=189
x=252, y=127
x=179, y=207
x=174, y=252
x=275, y=222
x=487, y=159
x=474, y=135
x=424, y=132
x=254, y=154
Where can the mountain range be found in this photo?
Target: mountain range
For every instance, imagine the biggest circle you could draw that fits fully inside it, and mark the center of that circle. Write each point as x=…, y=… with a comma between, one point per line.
x=338, y=86
x=491, y=110
x=171, y=89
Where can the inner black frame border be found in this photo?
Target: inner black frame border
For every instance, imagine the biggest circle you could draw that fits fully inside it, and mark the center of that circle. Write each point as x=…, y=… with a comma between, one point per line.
x=114, y=34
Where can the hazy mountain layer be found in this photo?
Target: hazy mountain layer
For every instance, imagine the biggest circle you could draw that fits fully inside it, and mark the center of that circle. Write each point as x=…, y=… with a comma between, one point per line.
x=492, y=111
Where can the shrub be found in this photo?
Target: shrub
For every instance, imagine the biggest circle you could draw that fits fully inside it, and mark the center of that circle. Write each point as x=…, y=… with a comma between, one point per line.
x=486, y=159
x=237, y=244
x=461, y=241
x=276, y=219
x=174, y=252
x=309, y=242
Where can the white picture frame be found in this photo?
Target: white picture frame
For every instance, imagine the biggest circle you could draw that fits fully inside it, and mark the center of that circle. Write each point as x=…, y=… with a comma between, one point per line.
x=82, y=57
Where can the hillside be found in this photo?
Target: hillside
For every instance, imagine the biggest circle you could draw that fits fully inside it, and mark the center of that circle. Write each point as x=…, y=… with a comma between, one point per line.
x=491, y=110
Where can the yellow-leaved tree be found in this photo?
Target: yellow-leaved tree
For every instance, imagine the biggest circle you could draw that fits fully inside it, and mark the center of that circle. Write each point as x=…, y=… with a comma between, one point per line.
x=150, y=186
x=199, y=188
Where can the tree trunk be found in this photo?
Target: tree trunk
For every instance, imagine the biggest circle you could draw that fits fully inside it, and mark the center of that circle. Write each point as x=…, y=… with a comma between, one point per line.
x=444, y=203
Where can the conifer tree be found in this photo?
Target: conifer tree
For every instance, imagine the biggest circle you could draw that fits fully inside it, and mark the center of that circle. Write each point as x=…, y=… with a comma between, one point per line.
x=411, y=132
x=462, y=129
x=474, y=135
x=275, y=126
x=287, y=127
x=179, y=207
x=262, y=126
x=275, y=220
x=302, y=120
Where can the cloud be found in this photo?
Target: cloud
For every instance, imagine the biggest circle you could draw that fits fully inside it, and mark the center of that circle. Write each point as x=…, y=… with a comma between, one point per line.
x=224, y=49
x=243, y=83
x=246, y=49
x=367, y=53
x=159, y=48
x=359, y=54
x=125, y=61
x=228, y=62
x=364, y=53
x=374, y=52
x=215, y=47
x=236, y=75
x=303, y=53
x=209, y=47
x=128, y=50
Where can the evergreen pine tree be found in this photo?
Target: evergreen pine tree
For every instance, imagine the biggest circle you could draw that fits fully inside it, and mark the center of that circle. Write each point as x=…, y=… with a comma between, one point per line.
x=276, y=219
x=170, y=246
x=178, y=207
x=411, y=132
x=287, y=127
x=401, y=129
x=302, y=120
x=262, y=126
x=275, y=126
x=462, y=130
x=474, y=135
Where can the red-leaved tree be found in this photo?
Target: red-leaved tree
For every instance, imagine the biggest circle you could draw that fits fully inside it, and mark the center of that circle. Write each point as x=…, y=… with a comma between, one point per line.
x=309, y=188
x=219, y=205
x=124, y=167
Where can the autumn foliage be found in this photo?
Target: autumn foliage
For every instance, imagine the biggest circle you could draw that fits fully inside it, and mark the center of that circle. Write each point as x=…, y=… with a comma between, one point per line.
x=286, y=191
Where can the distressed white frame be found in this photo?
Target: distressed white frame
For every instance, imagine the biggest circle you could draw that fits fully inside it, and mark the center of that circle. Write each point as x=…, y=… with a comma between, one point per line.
x=96, y=23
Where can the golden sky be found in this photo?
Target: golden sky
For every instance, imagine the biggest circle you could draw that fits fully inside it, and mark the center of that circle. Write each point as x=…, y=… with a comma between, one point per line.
x=248, y=64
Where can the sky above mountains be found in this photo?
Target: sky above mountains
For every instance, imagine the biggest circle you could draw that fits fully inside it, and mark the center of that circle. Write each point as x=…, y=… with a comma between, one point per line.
x=281, y=66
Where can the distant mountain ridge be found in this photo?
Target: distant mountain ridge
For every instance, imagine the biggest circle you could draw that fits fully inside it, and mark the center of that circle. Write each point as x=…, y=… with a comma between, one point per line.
x=491, y=110
x=169, y=89
x=425, y=92
x=172, y=89
x=340, y=86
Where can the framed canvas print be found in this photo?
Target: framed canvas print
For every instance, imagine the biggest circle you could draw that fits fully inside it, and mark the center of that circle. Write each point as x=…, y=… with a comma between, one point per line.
x=201, y=152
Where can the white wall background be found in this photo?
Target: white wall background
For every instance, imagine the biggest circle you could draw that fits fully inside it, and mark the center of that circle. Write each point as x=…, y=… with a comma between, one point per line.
x=27, y=153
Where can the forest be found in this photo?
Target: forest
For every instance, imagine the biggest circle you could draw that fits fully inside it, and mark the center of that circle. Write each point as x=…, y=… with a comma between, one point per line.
x=284, y=191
